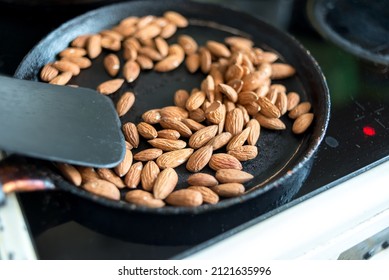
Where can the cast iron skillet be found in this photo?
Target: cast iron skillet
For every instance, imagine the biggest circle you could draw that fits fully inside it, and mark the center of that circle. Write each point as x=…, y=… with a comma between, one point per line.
x=284, y=159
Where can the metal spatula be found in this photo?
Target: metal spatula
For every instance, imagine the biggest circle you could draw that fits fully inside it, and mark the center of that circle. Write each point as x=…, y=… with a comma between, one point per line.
x=59, y=123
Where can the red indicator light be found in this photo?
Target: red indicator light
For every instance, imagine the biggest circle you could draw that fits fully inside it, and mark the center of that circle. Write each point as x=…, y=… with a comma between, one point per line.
x=368, y=131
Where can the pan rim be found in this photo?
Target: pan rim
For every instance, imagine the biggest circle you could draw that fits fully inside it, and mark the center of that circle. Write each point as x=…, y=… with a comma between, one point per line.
x=312, y=145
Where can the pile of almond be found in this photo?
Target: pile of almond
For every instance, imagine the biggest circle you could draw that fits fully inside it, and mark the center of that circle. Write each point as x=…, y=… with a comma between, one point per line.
x=216, y=125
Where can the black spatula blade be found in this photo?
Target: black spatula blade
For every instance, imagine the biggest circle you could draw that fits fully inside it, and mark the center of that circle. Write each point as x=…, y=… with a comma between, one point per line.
x=59, y=123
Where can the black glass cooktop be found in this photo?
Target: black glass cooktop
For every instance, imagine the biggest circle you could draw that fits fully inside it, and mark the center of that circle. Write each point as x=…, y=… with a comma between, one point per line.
x=357, y=137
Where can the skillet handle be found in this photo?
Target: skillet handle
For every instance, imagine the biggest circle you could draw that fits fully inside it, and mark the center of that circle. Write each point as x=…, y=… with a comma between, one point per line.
x=23, y=174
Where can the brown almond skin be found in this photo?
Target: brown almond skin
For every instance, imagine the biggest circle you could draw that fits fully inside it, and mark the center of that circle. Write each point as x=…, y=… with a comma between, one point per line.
x=112, y=64
x=302, y=123
x=281, y=71
x=125, y=103
x=293, y=100
x=220, y=140
x=224, y=161
x=215, y=112
x=268, y=109
x=93, y=46
x=125, y=165
x=192, y=62
x=180, y=97
x=143, y=198
x=152, y=116
x=72, y=51
x=149, y=174
x=167, y=145
x=174, y=158
x=202, y=136
x=270, y=123
x=209, y=196
x=170, y=123
x=228, y=91
x=233, y=176
x=61, y=79
x=176, y=18
x=195, y=100
x=146, y=130
x=185, y=197
x=148, y=154
x=218, y=49
x=187, y=43
x=299, y=110
x=131, y=134
x=255, y=131
x=110, y=86
x=168, y=134
x=110, y=176
x=70, y=172
x=243, y=153
x=199, y=159
x=174, y=112
x=202, y=179
x=239, y=139
x=132, y=178
x=131, y=71
x=234, y=121
x=102, y=188
x=229, y=189
x=48, y=73
x=87, y=174
x=165, y=183
x=192, y=124
x=82, y=62
x=67, y=66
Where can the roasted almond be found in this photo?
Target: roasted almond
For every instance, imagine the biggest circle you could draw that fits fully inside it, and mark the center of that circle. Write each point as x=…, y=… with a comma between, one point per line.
x=67, y=66
x=125, y=103
x=102, y=188
x=270, y=123
x=143, y=198
x=176, y=18
x=93, y=46
x=255, y=131
x=146, y=130
x=281, y=71
x=122, y=168
x=234, y=121
x=198, y=115
x=111, y=64
x=188, y=44
x=48, y=73
x=174, y=158
x=147, y=32
x=185, y=197
x=234, y=72
x=302, y=122
x=202, y=136
x=165, y=183
x=220, y=140
x=229, y=92
x=167, y=144
x=199, y=159
x=202, y=179
x=224, y=161
x=148, y=154
x=218, y=49
x=149, y=174
x=110, y=86
x=192, y=124
x=130, y=52
x=268, y=109
x=132, y=178
x=215, y=113
x=72, y=51
x=152, y=116
x=239, y=139
x=174, y=112
x=180, y=98
x=131, y=134
x=229, y=189
x=162, y=46
x=293, y=100
x=195, y=100
x=209, y=196
x=144, y=62
x=167, y=64
x=131, y=71
x=282, y=103
x=110, y=176
x=61, y=79
x=192, y=62
x=233, y=176
x=299, y=110
x=70, y=173
x=168, y=134
x=168, y=30
x=151, y=53
x=243, y=153
x=171, y=123
x=81, y=62
x=205, y=60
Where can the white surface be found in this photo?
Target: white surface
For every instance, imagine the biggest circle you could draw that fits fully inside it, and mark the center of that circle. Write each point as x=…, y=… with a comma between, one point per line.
x=321, y=227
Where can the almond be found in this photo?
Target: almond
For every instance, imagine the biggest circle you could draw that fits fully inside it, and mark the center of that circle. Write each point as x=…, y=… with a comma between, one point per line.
x=132, y=178
x=146, y=130
x=81, y=62
x=174, y=112
x=282, y=103
x=192, y=124
x=180, y=98
x=224, y=161
x=147, y=32
x=162, y=46
x=254, y=80
x=144, y=62
x=130, y=53
x=218, y=49
x=102, y=188
x=302, y=122
x=165, y=183
x=143, y=198
x=202, y=136
x=110, y=86
x=299, y=110
x=110, y=43
x=167, y=144
x=149, y=174
x=110, y=176
x=88, y=174
x=125, y=165
x=202, y=179
x=131, y=71
x=93, y=46
x=67, y=66
x=188, y=44
x=152, y=116
x=270, y=123
x=80, y=41
x=125, y=103
x=215, y=113
x=293, y=100
x=252, y=108
x=61, y=79
x=185, y=197
x=243, y=153
x=209, y=196
x=239, y=42
x=70, y=173
x=239, y=139
x=255, y=131
x=205, y=60
x=176, y=18
x=48, y=73
x=195, y=100
x=174, y=158
x=229, y=189
x=169, y=134
x=131, y=134
x=72, y=51
x=111, y=64
x=208, y=86
x=268, y=109
x=192, y=62
x=234, y=73
x=233, y=176
x=228, y=91
x=234, y=121
x=198, y=115
x=199, y=159
x=246, y=116
x=151, y=53
x=220, y=140
x=148, y=154
x=167, y=64
x=281, y=71
x=171, y=123
x=168, y=30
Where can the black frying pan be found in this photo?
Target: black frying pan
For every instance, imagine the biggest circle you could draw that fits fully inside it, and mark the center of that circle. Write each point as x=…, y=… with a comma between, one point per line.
x=280, y=169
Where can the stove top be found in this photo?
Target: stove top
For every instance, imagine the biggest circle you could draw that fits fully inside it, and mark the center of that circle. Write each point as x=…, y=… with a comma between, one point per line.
x=357, y=137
